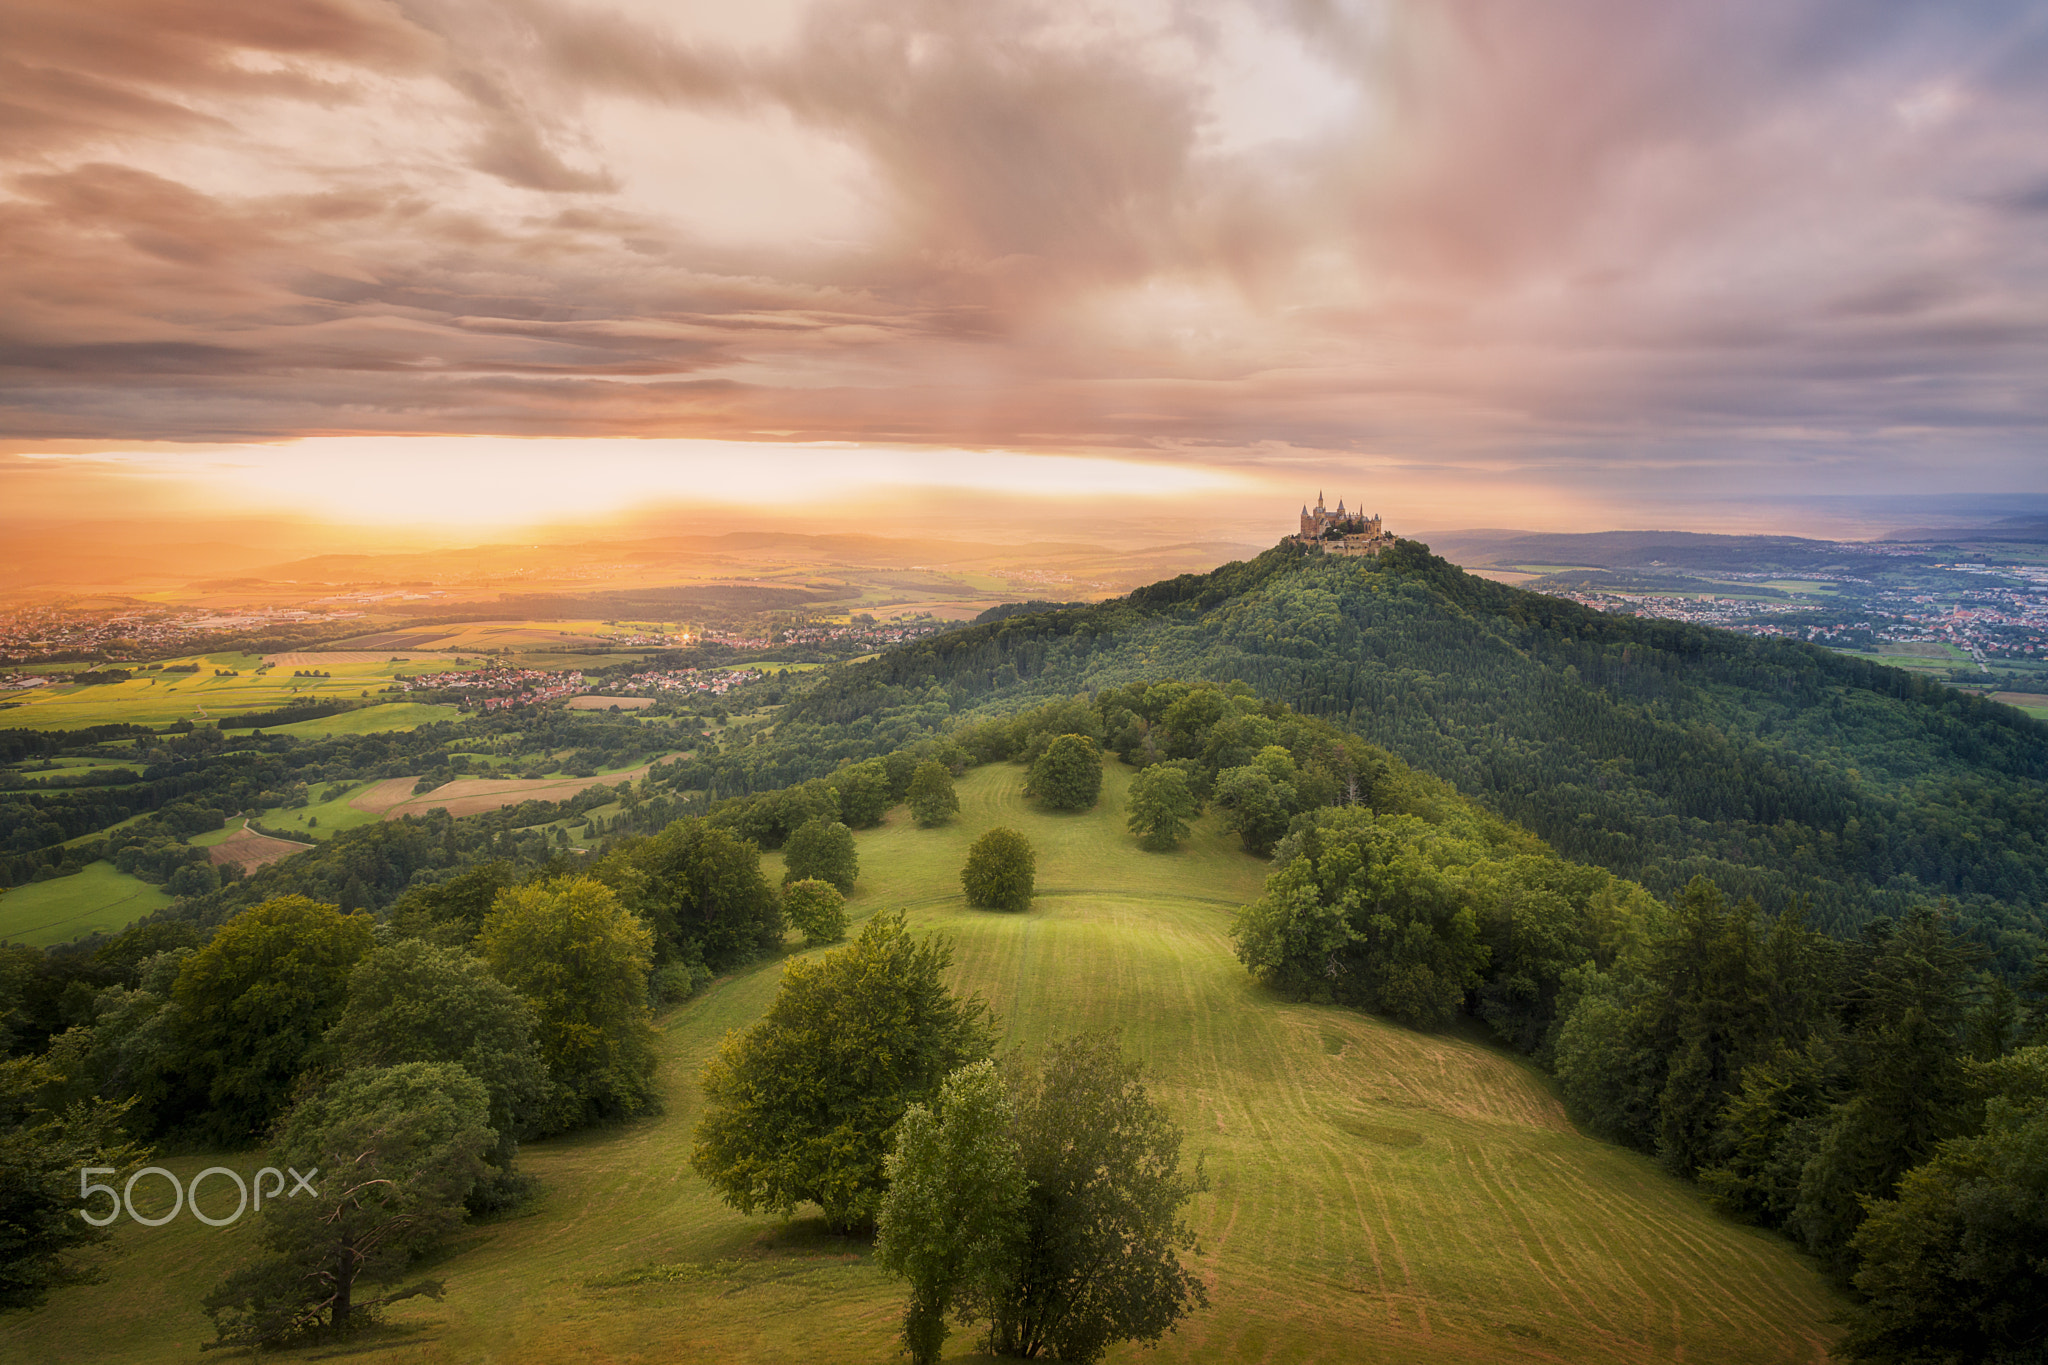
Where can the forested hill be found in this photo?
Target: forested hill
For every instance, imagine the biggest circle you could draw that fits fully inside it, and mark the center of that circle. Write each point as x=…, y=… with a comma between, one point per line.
x=1656, y=749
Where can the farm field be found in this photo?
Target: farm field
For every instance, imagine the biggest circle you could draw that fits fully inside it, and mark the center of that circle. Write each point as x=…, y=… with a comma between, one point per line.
x=65, y=908
x=1376, y=1193
x=393, y=800
x=2034, y=704
x=157, y=698
x=395, y=715
x=249, y=850
x=479, y=636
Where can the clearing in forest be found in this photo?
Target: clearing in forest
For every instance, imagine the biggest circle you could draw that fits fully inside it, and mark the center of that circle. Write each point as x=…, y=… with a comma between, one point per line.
x=1376, y=1194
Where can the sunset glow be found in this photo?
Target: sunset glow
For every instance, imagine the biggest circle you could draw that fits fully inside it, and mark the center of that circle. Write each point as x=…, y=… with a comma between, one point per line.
x=1590, y=259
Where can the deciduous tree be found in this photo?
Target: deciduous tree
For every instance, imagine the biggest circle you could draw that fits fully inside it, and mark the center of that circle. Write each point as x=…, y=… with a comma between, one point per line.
x=1258, y=799
x=799, y=1107
x=864, y=795
x=701, y=890
x=1363, y=909
x=414, y=1002
x=1098, y=1262
x=1001, y=871
x=817, y=910
x=932, y=798
x=1954, y=1267
x=824, y=851
x=952, y=1222
x=1068, y=775
x=582, y=958
x=41, y=1156
x=1161, y=803
x=253, y=1004
x=396, y=1151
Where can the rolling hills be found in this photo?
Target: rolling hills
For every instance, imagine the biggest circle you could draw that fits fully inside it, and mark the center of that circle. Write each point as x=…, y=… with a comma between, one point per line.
x=1656, y=749
x=1376, y=1193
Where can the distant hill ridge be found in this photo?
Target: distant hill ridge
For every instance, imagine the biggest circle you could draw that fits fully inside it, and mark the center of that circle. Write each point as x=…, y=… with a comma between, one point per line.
x=1657, y=749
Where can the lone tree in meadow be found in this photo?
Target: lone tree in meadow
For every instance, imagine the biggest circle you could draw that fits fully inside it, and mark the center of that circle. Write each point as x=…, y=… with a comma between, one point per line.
x=1001, y=871
x=823, y=850
x=799, y=1108
x=1068, y=775
x=397, y=1151
x=932, y=799
x=954, y=1214
x=817, y=911
x=1044, y=1201
x=1161, y=804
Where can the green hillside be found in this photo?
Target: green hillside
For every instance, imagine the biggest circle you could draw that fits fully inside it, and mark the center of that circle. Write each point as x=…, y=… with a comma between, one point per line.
x=1376, y=1193
x=1657, y=749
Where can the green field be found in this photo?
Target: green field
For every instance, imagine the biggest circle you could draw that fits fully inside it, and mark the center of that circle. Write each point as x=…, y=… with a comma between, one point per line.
x=333, y=816
x=62, y=909
x=158, y=698
x=1377, y=1193
x=397, y=715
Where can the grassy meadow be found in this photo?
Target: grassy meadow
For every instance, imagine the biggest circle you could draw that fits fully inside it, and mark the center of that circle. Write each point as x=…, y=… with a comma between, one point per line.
x=59, y=910
x=1376, y=1193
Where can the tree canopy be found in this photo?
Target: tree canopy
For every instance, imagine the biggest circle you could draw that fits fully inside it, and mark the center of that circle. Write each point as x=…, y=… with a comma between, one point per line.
x=1044, y=1201
x=799, y=1107
x=1161, y=803
x=1365, y=910
x=953, y=1217
x=817, y=910
x=397, y=1150
x=1001, y=871
x=823, y=850
x=1098, y=1262
x=1955, y=1265
x=932, y=798
x=1068, y=775
x=42, y=1153
x=700, y=888
x=414, y=1002
x=582, y=958
x=253, y=1004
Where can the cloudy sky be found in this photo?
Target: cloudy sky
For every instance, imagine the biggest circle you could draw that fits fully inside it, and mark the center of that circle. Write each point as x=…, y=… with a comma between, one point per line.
x=1489, y=256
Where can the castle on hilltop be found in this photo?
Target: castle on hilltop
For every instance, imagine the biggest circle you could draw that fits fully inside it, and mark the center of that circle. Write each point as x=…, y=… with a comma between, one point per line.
x=1341, y=532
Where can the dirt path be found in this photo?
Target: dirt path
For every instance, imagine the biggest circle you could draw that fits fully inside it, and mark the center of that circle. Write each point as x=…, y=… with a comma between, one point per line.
x=249, y=850
x=475, y=795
